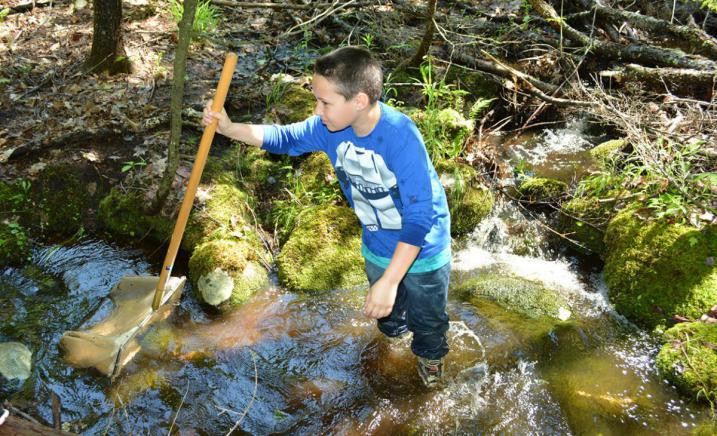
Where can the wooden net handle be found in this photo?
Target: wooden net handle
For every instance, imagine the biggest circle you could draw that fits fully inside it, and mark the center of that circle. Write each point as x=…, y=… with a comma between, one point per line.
x=217, y=104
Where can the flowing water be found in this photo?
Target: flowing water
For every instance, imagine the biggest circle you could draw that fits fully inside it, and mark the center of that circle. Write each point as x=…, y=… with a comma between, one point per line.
x=307, y=364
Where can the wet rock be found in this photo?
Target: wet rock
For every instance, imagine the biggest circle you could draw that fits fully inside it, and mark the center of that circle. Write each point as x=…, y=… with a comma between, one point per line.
x=689, y=359
x=527, y=297
x=469, y=201
x=541, y=189
x=323, y=251
x=604, y=152
x=655, y=269
x=15, y=361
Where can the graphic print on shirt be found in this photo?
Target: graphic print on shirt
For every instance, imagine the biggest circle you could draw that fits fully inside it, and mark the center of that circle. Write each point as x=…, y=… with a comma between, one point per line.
x=373, y=186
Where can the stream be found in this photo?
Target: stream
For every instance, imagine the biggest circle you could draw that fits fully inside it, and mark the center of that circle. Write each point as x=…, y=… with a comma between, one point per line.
x=309, y=364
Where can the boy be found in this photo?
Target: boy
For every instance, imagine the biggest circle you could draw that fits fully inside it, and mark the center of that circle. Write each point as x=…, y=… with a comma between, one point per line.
x=388, y=179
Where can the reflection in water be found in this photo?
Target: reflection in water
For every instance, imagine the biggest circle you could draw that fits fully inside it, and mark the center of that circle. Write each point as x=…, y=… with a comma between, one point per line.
x=322, y=367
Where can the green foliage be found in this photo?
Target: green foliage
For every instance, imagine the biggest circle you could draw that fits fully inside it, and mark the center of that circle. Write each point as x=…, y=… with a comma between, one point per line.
x=206, y=17
x=708, y=4
x=277, y=92
x=367, y=40
x=4, y=13
x=443, y=128
x=131, y=165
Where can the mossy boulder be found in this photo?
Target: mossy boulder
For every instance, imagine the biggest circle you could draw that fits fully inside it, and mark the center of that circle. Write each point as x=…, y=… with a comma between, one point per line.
x=225, y=273
x=63, y=195
x=323, y=251
x=317, y=173
x=120, y=214
x=247, y=166
x=454, y=124
x=529, y=298
x=293, y=102
x=221, y=211
x=604, y=152
x=468, y=200
x=580, y=210
x=541, y=188
x=655, y=269
x=689, y=359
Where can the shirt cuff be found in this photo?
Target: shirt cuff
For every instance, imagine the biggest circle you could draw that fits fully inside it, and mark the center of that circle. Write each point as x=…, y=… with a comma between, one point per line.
x=413, y=234
x=271, y=134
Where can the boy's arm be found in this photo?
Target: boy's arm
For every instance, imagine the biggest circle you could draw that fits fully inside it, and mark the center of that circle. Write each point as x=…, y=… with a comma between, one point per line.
x=381, y=296
x=293, y=139
x=251, y=134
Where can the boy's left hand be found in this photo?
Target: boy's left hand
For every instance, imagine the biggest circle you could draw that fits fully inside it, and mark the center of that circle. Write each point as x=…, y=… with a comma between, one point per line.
x=380, y=298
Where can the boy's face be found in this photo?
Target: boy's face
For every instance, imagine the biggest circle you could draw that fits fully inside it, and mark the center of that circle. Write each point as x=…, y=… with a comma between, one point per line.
x=335, y=111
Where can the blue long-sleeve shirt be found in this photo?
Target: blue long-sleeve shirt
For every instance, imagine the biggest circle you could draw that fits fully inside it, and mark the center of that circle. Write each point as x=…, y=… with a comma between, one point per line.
x=387, y=178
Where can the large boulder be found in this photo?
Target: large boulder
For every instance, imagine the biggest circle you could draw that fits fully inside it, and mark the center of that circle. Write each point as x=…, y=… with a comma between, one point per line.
x=689, y=359
x=469, y=201
x=225, y=273
x=323, y=251
x=15, y=361
x=527, y=297
x=655, y=269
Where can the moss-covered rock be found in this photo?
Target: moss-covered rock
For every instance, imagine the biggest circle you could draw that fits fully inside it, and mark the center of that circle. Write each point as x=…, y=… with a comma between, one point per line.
x=689, y=359
x=121, y=215
x=454, y=124
x=292, y=102
x=317, y=173
x=541, y=189
x=656, y=269
x=64, y=194
x=527, y=297
x=323, y=252
x=226, y=273
x=468, y=200
x=603, y=152
x=220, y=212
x=590, y=210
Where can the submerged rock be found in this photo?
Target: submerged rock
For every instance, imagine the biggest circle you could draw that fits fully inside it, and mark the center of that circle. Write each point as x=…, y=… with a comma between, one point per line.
x=323, y=252
x=689, y=359
x=15, y=361
x=468, y=200
x=657, y=269
x=527, y=297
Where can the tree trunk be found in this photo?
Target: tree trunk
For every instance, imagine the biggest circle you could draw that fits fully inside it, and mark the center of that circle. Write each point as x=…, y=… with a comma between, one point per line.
x=107, y=49
x=180, y=67
x=415, y=62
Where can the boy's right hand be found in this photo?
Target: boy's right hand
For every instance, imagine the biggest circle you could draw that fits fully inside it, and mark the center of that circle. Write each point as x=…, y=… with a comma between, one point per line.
x=223, y=121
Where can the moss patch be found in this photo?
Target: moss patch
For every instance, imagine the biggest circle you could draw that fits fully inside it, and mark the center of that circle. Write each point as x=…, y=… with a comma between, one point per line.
x=527, y=297
x=121, y=215
x=590, y=210
x=323, y=252
x=655, y=269
x=63, y=195
x=541, y=189
x=295, y=104
x=468, y=200
x=689, y=359
x=602, y=153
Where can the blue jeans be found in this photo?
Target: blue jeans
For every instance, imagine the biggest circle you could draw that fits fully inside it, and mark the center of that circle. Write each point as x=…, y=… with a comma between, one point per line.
x=420, y=307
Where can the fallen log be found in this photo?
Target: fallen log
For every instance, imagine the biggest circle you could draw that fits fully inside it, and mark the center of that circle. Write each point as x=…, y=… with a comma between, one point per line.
x=681, y=81
x=632, y=53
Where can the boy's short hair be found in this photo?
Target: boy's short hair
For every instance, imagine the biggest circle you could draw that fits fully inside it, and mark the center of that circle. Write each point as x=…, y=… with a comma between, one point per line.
x=353, y=70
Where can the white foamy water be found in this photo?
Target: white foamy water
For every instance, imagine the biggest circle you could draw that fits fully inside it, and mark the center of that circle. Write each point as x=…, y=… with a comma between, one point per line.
x=569, y=139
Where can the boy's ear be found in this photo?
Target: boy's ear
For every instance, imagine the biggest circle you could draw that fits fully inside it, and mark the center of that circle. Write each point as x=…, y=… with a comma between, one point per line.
x=361, y=100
